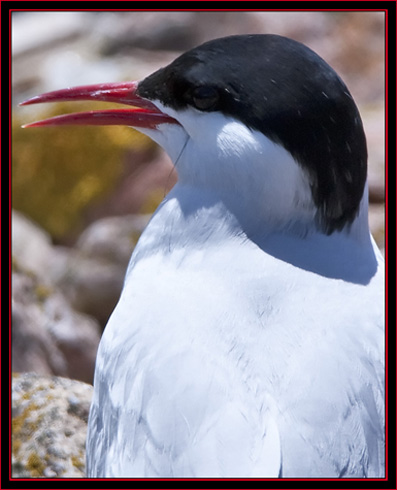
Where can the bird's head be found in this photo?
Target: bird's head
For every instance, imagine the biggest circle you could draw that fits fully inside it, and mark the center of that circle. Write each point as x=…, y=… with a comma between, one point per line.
x=260, y=116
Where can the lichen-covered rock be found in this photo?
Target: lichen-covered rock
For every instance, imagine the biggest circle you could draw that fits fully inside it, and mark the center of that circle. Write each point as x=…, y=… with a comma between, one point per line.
x=49, y=425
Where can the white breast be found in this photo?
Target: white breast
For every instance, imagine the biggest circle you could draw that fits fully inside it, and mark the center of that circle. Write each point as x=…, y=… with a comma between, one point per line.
x=223, y=360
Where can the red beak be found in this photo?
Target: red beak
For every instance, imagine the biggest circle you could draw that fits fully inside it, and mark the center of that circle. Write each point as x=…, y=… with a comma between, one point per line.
x=143, y=115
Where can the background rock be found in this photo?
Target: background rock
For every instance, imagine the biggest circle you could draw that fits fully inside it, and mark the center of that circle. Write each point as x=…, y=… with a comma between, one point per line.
x=49, y=425
x=91, y=274
x=31, y=245
x=112, y=239
x=48, y=335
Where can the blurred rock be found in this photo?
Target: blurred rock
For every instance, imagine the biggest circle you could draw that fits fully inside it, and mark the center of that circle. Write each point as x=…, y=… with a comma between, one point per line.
x=112, y=239
x=48, y=336
x=165, y=31
x=91, y=275
x=374, y=124
x=38, y=30
x=52, y=283
x=49, y=425
x=30, y=244
x=91, y=287
x=170, y=31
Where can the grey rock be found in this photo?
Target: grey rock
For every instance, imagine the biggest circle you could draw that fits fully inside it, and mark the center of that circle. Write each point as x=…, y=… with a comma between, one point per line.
x=91, y=287
x=91, y=275
x=112, y=239
x=48, y=439
x=30, y=244
x=48, y=336
x=44, y=30
x=50, y=282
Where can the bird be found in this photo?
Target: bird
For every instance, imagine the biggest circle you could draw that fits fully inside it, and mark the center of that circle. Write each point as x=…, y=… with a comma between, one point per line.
x=248, y=340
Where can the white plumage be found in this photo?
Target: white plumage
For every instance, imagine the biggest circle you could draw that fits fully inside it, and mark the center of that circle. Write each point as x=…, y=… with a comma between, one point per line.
x=239, y=356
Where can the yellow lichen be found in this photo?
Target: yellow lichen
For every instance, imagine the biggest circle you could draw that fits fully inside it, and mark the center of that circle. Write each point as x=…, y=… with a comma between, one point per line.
x=58, y=172
x=42, y=293
x=22, y=427
x=35, y=465
x=152, y=201
x=16, y=446
x=77, y=461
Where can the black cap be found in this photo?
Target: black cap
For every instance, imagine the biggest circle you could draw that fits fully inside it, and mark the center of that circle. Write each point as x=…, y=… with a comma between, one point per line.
x=283, y=89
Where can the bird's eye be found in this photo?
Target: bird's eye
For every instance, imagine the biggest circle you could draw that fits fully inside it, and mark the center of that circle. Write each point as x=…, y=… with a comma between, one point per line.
x=205, y=98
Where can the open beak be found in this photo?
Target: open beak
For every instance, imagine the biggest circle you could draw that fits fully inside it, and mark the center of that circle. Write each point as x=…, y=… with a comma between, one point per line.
x=144, y=114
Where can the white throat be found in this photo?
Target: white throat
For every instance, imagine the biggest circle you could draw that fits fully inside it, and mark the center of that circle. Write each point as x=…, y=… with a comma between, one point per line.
x=257, y=180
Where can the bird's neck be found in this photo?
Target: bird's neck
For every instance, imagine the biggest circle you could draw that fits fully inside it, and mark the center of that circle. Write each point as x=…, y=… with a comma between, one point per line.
x=191, y=216
x=262, y=189
x=260, y=184
x=191, y=220
x=243, y=187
